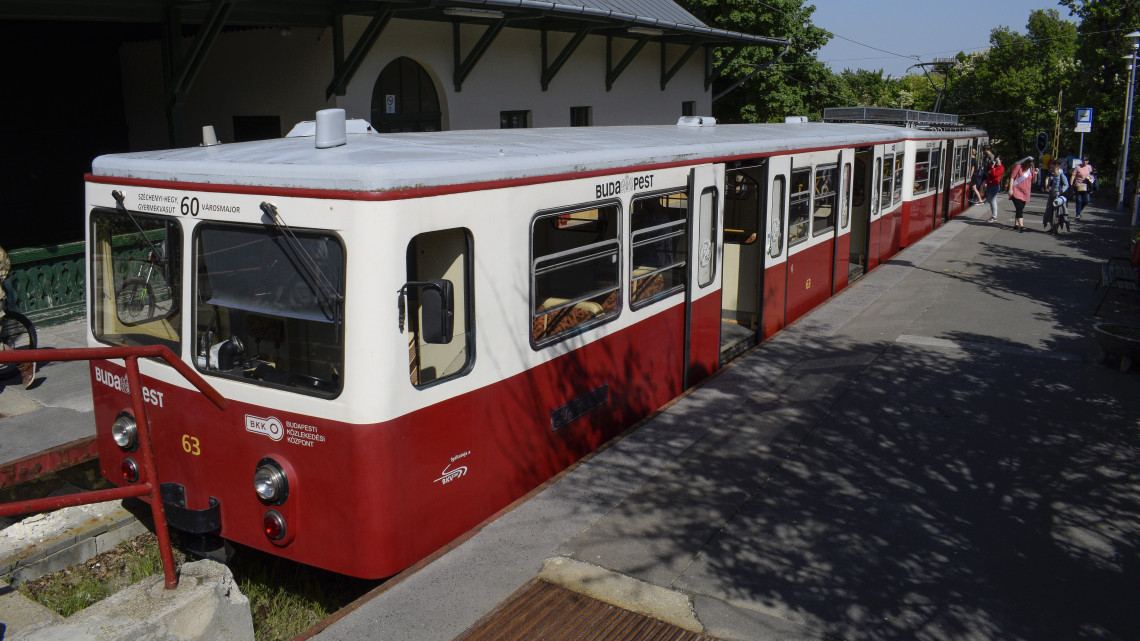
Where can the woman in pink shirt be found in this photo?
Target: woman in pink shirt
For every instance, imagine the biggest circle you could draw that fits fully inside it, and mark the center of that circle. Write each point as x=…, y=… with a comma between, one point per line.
x=1020, y=182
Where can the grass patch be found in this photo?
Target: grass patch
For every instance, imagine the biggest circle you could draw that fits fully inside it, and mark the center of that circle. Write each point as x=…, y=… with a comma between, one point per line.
x=72, y=589
x=285, y=598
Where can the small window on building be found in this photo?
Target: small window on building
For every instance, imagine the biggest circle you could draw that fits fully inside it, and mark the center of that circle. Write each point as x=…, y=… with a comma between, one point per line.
x=575, y=266
x=799, y=215
x=659, y=227
x=441, y=255
x=256, y=128
x=689, y=108
x=514, y=119
x=581, y=116
x=824, y=200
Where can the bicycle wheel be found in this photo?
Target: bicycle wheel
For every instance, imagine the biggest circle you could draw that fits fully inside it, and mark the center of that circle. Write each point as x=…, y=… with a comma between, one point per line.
x=16, y=332
x=135, y=301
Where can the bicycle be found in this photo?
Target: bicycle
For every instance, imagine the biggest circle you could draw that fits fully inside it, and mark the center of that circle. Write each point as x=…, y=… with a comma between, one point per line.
x=17, y=332
x=135, y=293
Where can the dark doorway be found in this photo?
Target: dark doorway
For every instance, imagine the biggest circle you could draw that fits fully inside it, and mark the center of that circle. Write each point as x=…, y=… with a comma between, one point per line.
x=404, y=99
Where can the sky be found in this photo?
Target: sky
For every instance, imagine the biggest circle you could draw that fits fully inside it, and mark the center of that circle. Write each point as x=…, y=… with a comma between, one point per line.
x=913, y=28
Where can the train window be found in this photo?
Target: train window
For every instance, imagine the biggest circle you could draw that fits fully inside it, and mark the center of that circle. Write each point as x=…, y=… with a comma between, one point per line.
x=897, y=195
x=741, y=209
x=659, y=227
x=964, y=167
x=824, y=199
x=935, y=169
x=888, y=174
x=799, y=211
x=441, y=255
x=136, y=279
x=776, y=217
x=706, y=266
x=921, y=171
x=859, y=193
x=270, y=306
x=575, y=266
x=844, y=195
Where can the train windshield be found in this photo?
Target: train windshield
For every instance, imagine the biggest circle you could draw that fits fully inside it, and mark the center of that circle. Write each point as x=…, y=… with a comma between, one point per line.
x=136, y=269
x=260, y=316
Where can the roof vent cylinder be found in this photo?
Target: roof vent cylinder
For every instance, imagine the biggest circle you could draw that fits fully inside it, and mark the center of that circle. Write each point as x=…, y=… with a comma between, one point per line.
x=331, y=130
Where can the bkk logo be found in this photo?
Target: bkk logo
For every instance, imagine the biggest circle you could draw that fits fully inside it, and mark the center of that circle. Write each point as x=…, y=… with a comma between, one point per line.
x=270, y=427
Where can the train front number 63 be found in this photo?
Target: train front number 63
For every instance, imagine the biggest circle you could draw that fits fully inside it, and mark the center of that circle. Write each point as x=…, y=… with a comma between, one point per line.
x=190, y=445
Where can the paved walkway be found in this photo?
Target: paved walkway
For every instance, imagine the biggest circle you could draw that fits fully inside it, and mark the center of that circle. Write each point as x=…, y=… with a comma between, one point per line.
x=938, y=453
x=56, y=408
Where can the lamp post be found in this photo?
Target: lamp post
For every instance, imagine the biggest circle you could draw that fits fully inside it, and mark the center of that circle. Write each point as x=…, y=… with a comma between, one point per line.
x=1134, y=42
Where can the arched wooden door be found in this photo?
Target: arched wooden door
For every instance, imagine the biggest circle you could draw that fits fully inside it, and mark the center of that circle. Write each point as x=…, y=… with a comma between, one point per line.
x=404, y=99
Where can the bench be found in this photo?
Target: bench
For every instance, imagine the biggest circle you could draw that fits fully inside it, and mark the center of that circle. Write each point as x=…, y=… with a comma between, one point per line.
x=1117, y=273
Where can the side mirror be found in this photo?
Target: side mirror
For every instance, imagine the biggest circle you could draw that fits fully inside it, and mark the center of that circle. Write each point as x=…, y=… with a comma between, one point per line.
x=437, y=309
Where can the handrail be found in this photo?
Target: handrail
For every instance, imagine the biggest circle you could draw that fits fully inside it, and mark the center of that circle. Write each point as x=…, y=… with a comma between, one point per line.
x=149, y=485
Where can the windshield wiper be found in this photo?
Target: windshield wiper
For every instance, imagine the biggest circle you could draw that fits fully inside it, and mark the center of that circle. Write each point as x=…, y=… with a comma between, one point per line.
x=312, y=273
x=118, y=195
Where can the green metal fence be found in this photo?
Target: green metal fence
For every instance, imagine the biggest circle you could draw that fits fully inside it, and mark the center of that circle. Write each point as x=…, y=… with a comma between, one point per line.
x=48, y=284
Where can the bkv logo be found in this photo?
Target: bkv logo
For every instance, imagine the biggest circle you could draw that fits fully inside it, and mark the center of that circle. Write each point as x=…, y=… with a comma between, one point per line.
x=270, y=427
x=450, y=475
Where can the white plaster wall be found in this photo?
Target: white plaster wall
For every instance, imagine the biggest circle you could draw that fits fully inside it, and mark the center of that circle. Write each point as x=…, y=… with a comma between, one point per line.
x=260, y=72
x=247, y=73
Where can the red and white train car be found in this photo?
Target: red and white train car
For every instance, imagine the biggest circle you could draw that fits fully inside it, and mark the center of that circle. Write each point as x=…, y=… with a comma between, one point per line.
x=413, y=330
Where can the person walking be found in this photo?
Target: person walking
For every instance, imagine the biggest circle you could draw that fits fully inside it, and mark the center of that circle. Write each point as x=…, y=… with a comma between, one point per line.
x=27, y=370
x=1055, y=187
x=993, y=186
x=1020, y=188
x=1082, y=182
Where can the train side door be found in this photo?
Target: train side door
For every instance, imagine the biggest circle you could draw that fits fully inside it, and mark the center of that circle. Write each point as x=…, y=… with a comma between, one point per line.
x=774, y=283
x=702, y=291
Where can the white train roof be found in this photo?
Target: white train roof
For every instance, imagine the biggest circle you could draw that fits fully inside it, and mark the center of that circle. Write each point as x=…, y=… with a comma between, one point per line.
x=372, y=162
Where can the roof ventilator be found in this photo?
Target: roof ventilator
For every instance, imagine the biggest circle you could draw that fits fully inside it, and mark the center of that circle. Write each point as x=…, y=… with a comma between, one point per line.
x=209, y=138
x=696, y=121
x=331, y=131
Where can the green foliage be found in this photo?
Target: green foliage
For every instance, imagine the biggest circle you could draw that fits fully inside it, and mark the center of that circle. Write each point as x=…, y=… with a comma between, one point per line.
x=1101, y=78
x=799, y=84
x=1012, y=89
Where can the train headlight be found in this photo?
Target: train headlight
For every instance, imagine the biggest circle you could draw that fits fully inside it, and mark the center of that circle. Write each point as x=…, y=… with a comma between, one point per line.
x=273, y=525
x=270, y=482
x=125, y=431
x=130, y=470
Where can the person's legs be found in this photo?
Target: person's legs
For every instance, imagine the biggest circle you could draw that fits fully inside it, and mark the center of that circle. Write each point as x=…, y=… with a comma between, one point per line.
x=991, y=197
x=1018, y=221
x=1082, y=200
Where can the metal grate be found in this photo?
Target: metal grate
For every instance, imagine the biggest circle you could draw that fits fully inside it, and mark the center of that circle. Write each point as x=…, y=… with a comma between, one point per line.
x=542, y=610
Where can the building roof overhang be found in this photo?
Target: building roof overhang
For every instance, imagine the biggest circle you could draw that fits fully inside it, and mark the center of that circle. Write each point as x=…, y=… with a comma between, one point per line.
x=660, y=21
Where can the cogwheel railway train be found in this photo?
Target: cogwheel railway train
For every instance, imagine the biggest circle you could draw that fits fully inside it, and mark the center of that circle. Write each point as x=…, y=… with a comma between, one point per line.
x=414, y=330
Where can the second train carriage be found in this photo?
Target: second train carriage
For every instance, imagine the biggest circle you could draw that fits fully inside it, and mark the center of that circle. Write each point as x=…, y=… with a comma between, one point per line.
x=416, y=329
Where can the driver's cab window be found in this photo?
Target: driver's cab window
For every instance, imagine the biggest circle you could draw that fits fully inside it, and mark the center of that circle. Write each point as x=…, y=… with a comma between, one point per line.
x=433, y=257
x=269, y=307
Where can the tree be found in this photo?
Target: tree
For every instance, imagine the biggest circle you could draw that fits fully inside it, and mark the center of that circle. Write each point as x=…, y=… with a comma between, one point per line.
x=1101, y=77
x=799, y=84
x=1011, y=89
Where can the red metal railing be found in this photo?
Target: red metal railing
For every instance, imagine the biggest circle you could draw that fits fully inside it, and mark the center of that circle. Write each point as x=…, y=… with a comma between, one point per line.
x=148, y=485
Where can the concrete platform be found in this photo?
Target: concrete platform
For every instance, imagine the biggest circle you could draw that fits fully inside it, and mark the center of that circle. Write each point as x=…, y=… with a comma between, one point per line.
x=937, y=453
